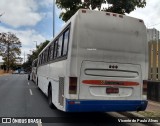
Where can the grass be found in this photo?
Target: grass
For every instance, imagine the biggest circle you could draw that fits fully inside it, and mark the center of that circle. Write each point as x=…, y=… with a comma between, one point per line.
x=2, y=72
x=150, y=113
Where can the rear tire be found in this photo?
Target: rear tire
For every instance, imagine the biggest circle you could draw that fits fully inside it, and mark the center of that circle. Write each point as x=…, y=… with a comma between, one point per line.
x=50, y=98
x=28, y=76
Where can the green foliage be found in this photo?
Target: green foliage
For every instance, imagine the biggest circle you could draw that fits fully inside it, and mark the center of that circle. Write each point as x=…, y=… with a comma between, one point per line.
x=27, y=65
x=70, y=7
x=9, y=48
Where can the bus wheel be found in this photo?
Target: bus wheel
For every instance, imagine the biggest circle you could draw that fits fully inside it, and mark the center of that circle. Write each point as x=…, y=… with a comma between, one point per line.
x=37, y=82
x=50, y=98
x=28, y=76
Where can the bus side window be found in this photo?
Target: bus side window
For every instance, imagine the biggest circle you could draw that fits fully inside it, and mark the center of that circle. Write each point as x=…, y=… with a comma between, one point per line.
x=65, y=44
x=55, y=49
x=51, y=51
x=48, y=53
x=40, y=59
x=43, y=57
x=59, y=49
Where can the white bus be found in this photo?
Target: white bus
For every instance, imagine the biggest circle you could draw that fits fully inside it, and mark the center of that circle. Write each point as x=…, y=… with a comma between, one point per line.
x=33, y=74
x=97, y=63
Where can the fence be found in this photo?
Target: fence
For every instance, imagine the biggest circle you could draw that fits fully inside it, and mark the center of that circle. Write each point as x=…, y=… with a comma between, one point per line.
x=153, y=86
x=154, y=60
x=153, y=91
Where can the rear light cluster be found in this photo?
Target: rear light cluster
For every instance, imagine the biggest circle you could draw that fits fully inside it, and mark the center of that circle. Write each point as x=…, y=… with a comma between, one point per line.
x=144, y=87
x=83, y=11
x=121, y=16
x=73, y=85
x=115, y=15
x=112, y=66
x=140, y=20
x=110, y=83
x=74, y=102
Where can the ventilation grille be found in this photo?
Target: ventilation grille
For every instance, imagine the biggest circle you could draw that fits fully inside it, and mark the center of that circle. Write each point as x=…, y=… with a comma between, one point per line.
x=61, y=91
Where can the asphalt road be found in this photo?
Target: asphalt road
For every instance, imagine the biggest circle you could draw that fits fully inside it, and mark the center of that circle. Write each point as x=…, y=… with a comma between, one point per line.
x=22, y=98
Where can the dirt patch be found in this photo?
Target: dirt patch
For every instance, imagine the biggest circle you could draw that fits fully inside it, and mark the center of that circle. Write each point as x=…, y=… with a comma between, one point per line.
x=150, y=113
x=2, y=72
x=152, y=110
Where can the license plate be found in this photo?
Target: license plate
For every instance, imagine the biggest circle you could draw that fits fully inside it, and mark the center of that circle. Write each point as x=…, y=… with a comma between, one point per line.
x=112, y=90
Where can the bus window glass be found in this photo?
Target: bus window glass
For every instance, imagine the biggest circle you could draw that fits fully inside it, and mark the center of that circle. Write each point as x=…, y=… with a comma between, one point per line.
x=43, y=59
x=39, y=59
x=59, y=48
x=51, y=51
x=55, y=49
x=65, y=45
x=46, y=55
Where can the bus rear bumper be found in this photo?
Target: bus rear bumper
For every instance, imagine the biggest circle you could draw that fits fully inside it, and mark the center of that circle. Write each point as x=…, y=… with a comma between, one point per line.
x=105, y=106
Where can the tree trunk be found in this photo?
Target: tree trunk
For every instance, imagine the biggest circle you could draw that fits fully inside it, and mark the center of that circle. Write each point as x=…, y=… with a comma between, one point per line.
x=8, y=57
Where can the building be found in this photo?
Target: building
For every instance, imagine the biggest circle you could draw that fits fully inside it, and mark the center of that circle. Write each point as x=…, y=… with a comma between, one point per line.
x=153, y=37
x=153, y=34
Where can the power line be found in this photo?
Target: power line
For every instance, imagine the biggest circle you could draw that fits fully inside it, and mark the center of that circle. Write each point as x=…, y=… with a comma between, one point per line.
x=1, y=15
x=154, y=25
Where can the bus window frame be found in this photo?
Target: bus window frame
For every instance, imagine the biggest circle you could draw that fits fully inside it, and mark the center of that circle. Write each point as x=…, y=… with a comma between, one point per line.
x=62, y=57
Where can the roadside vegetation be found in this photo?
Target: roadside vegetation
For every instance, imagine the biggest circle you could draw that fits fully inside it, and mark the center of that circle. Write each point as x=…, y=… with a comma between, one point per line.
x=70, y=7
x=10, y=50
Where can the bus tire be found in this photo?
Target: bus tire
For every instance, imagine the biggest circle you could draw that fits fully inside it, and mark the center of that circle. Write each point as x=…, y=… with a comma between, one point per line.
x=28, y=76
x=50, y=98
x=37, y=82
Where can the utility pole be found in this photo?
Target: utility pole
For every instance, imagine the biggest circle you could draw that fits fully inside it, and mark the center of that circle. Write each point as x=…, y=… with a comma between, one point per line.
x=8, y=62
x=36, y=43
x=24, y=56
x=1, y=15
x=54, y=17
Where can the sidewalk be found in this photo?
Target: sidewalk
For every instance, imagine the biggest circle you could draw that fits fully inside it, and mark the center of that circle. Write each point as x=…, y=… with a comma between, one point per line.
x=152, y=110
x=3, y=73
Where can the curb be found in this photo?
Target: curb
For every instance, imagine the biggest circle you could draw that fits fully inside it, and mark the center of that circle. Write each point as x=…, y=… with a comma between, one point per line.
x=141, y=116
x=154, y=103
x=3, y=74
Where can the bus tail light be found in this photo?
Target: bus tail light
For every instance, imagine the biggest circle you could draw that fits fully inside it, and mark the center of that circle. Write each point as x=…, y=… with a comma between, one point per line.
x=115, y=15
x=121, y=16
x=83, y=11
x=73, y=85
x=144, y=87
x=140, y=20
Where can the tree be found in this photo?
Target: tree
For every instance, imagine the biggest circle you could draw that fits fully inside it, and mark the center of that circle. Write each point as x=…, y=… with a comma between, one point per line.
x=9, y=48
x=34, y=55
x=116, y=6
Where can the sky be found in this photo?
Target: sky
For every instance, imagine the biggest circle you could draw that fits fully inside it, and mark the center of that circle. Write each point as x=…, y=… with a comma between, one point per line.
x=32, y=20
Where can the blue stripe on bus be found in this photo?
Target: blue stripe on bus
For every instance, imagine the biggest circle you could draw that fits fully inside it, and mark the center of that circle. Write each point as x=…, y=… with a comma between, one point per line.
x=105, y=105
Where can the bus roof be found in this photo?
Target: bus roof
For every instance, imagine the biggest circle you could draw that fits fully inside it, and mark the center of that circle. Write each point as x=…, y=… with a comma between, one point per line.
x=87, y=12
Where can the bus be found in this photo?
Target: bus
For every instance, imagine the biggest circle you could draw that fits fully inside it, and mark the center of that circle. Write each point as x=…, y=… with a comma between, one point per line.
x=96, y=63
x=33, y=74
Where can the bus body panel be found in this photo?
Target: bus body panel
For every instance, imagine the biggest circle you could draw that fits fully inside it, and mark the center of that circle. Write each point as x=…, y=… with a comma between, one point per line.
x=94, y=45
x=105, y=105
x=101, y=71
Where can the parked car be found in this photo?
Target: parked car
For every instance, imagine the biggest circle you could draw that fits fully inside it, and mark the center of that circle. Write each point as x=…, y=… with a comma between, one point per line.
x=28, y=76
x=22, y=72
x=15, y=72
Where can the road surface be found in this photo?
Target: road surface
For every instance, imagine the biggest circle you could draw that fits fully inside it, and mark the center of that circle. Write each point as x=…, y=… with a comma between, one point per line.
x=22, y=98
